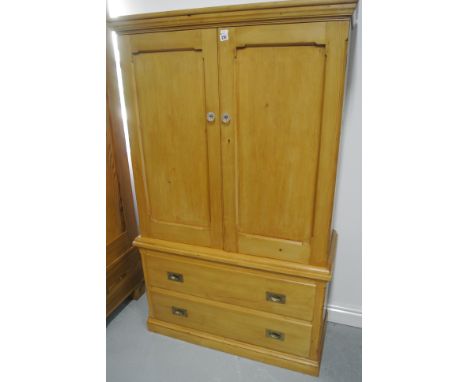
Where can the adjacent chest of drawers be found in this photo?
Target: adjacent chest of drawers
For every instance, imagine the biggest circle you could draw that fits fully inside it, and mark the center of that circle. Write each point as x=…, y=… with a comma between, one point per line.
x=234, y=116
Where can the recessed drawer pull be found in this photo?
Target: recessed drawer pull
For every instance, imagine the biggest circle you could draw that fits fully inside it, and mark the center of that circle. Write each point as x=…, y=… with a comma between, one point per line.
x=273, y=334
x=276, y=297
x=179, y=312
x=177, y=277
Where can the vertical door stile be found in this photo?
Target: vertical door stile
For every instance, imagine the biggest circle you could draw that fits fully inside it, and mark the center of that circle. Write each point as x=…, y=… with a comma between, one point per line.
x=210, y=55
x=226, y=52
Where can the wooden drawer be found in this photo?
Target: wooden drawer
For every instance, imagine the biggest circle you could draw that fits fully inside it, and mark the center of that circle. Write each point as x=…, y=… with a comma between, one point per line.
x=123, y=275
x=287, y=335
x=285, y=295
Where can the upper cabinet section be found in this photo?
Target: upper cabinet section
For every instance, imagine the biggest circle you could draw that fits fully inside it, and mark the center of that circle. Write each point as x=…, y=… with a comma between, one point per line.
x=234, y=119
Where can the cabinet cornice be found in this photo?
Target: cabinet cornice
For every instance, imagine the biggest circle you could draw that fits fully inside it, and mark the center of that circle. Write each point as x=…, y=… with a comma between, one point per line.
x=258, y=13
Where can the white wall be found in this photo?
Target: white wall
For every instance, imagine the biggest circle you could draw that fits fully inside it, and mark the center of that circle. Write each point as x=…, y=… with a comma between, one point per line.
x=130, y=7
x=344, y=304
x=345, y=300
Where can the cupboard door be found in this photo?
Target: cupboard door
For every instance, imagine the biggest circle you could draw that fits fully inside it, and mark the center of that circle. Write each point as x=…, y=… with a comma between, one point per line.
x=282, y=86
x=171, y=83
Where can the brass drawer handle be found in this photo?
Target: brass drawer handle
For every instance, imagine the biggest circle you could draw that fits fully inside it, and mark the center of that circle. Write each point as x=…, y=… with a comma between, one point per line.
x=275, y=335
x=276, y=297
x=177, y=277
x=179, y=312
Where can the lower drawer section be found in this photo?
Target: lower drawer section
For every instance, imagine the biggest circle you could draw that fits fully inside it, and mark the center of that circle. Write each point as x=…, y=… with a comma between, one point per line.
x=270, y=331
x=272, y=293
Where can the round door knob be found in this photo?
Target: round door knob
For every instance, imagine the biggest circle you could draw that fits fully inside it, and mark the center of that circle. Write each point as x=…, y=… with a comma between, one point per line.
x=210, y=116
x=226, y=118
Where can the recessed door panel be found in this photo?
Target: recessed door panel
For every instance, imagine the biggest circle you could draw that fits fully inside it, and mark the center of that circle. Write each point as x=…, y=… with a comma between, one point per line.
x=171, y=84
x=171, y=97
x=278, y=129
x=282, y=86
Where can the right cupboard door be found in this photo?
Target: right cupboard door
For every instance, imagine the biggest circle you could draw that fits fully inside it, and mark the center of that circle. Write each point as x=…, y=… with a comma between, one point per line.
x=281, y=88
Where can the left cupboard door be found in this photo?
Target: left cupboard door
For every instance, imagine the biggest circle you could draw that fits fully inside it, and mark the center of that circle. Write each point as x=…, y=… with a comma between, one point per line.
x=171, y=86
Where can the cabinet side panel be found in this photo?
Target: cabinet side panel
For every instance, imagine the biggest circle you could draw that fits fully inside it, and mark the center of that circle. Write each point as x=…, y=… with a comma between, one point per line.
x=337, y=42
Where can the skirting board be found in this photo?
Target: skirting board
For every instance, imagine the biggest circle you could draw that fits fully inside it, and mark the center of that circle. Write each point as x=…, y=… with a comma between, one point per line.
x=345, y=316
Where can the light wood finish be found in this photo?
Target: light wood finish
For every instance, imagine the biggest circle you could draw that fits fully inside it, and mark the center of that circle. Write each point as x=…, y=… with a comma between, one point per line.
x=271, y=147
x=231, y=285
x=231, y=15
x=123, y=266
x=337, y=42
x=298, y=147
x=320, y=314
x=259, y=353
x=169, y=90
x=238, y=259
x=240, y=207
x=242, y=324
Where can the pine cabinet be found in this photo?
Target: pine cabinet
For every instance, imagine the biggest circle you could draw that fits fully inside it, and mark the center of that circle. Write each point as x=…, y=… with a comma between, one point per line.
x=234, y=120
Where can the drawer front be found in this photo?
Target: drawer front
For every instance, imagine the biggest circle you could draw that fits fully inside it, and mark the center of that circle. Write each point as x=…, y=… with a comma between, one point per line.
x=122, y=277
x=262, y=329
x=253, y=289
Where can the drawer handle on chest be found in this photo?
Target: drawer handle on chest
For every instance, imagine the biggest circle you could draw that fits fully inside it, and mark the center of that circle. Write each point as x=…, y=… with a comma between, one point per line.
x=275, y=335
x=179, y=312
x=276, y=297
x=177, y=277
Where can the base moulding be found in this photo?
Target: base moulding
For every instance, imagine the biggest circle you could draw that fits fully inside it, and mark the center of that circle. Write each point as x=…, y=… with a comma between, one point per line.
x=242, y=349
